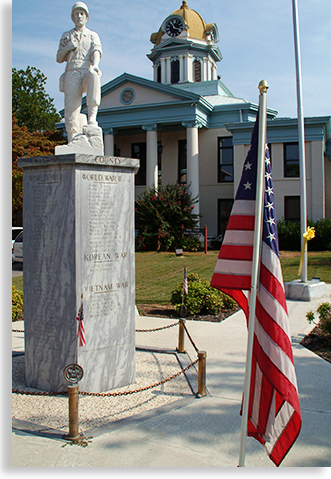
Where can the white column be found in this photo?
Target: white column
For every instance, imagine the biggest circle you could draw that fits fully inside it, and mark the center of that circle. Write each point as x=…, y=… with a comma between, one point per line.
x=109, y=141
x=317, y=181
x=163, y=70
x=189, y=69
x=181, y=68
x=155, y=72
x=168, y=70
x=192, y=139
x=205, y=70
x=151, y=154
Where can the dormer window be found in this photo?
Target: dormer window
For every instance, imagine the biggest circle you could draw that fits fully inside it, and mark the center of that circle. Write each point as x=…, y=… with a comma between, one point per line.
x=197, y=70
x=175, y=71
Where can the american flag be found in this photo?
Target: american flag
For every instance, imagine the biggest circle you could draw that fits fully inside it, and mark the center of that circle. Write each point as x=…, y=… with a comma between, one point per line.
x=81, y=329
x=274, y=416
x=185, y=287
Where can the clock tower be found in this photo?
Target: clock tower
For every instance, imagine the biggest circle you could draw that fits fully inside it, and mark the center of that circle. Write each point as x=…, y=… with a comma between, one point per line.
x=184, y=48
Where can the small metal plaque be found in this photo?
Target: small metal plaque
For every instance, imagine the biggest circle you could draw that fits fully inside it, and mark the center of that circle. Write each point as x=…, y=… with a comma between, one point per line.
x=182, y=311
x=73, y=373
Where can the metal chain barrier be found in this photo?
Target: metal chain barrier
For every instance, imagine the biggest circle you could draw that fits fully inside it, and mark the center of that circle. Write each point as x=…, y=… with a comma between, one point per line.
x=156, y=329
x=189, y=336
x=137, y=330
x=119, y=393
x=125, y=393
x=201, y=372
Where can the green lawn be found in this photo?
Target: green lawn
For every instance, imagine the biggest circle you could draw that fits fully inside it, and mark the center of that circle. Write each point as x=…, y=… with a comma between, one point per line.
x=157, y=274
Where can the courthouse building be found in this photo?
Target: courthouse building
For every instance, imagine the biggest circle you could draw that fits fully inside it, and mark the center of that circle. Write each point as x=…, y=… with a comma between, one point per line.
x=186, y=126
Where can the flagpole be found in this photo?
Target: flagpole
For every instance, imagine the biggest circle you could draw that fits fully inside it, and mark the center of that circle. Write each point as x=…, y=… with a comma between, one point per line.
x=263, y=86
x=301, y=133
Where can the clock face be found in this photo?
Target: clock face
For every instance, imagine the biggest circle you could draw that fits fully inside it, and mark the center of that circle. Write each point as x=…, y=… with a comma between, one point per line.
x=174, y=27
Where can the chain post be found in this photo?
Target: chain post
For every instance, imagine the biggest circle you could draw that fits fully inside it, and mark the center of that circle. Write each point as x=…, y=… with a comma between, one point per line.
x=202, y=374
x=181, y=335
x=73, y=412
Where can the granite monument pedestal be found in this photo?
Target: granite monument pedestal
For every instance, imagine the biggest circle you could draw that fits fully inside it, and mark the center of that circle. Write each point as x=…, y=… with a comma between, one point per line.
x=299, y=291
x=78, y=213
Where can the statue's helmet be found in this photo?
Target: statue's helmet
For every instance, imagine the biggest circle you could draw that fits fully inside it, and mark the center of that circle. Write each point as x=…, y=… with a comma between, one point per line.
x=82, y=6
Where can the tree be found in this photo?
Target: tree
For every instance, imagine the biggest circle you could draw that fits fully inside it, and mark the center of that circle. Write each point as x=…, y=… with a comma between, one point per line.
x=160, y=215
x=31, y=105
x=25, y=143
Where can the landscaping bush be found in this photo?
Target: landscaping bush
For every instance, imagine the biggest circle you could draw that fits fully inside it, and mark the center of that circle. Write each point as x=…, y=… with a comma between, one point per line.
x=324, y=313
x=17, y=304
x=322, y=240
x=191, y=243
x=201, y=299
x=160, y=215
x=289, y=235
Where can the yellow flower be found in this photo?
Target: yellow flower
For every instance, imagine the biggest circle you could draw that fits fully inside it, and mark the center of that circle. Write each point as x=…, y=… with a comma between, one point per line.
x=309, y=234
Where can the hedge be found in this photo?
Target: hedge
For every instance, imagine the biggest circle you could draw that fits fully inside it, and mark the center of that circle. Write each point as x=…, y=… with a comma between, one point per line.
x=289, y=235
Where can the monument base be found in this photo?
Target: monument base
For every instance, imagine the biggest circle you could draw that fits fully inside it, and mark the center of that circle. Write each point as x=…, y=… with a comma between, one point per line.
x=299, y=291
x=79, y=253
x=90, y=142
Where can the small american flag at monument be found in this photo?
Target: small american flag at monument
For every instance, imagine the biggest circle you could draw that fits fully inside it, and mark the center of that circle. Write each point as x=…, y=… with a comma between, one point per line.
x=274, y=416
x=185, y=287
x=81, y=329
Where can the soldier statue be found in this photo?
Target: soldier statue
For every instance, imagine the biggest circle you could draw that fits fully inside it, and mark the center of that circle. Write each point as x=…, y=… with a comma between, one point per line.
x=81, y=49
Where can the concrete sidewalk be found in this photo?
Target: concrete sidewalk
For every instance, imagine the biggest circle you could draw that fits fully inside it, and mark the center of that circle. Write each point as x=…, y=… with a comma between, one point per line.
x=201, y=432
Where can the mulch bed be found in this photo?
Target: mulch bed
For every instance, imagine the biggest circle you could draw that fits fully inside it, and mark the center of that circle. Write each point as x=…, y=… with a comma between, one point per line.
x=319, y=343
x=168, y=311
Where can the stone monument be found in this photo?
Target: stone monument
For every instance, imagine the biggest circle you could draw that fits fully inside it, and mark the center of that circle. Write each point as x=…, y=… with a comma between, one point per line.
x=81, y=49
x=78, y=214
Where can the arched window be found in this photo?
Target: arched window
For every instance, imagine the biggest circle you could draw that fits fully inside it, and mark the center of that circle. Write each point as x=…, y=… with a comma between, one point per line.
x=196, y=70
x=175, y=71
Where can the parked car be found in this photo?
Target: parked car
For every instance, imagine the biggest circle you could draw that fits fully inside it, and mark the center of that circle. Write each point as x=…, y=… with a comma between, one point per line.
x=15, y=231
x=18, y=248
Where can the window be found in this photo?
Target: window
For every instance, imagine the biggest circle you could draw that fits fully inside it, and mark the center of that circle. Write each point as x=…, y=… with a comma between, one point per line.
x=224, y=211
x=159, y=73
x=139, y=151
x=225, y=160
x=175, y=71
x=127, y=96
x=182, y=162
x=291, y=160
x=196, y=71
x=292, y=208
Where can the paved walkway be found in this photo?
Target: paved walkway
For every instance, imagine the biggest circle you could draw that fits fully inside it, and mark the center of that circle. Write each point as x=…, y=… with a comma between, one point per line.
x=201, y=432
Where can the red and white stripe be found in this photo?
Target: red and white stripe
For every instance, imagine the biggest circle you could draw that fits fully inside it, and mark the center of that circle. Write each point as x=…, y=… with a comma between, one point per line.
x=274, y=416
x=81, y=328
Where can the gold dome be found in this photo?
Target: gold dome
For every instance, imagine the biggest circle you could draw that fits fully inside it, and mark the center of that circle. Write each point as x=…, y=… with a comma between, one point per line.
x=196, y=27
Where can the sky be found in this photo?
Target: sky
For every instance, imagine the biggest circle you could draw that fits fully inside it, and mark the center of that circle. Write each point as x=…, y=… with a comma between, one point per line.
x=256, y=41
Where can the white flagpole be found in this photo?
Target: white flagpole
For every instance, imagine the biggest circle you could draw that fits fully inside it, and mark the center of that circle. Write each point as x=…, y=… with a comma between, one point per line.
x=301, y=133
x=263, y=86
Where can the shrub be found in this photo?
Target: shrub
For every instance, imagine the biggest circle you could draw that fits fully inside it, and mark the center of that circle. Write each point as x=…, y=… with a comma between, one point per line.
x=324, y=313
x=322, y=240
x=201, y=298
x=160, y=215
x=191, y=243
x=17, y=304
x=289, y=235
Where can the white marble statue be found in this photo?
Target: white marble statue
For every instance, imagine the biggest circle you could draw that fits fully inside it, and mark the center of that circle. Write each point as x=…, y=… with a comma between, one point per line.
x=81, y=49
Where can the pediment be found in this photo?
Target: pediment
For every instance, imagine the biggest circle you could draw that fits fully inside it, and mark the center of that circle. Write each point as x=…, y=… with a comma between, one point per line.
x=141, y=96
x=143, y=92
